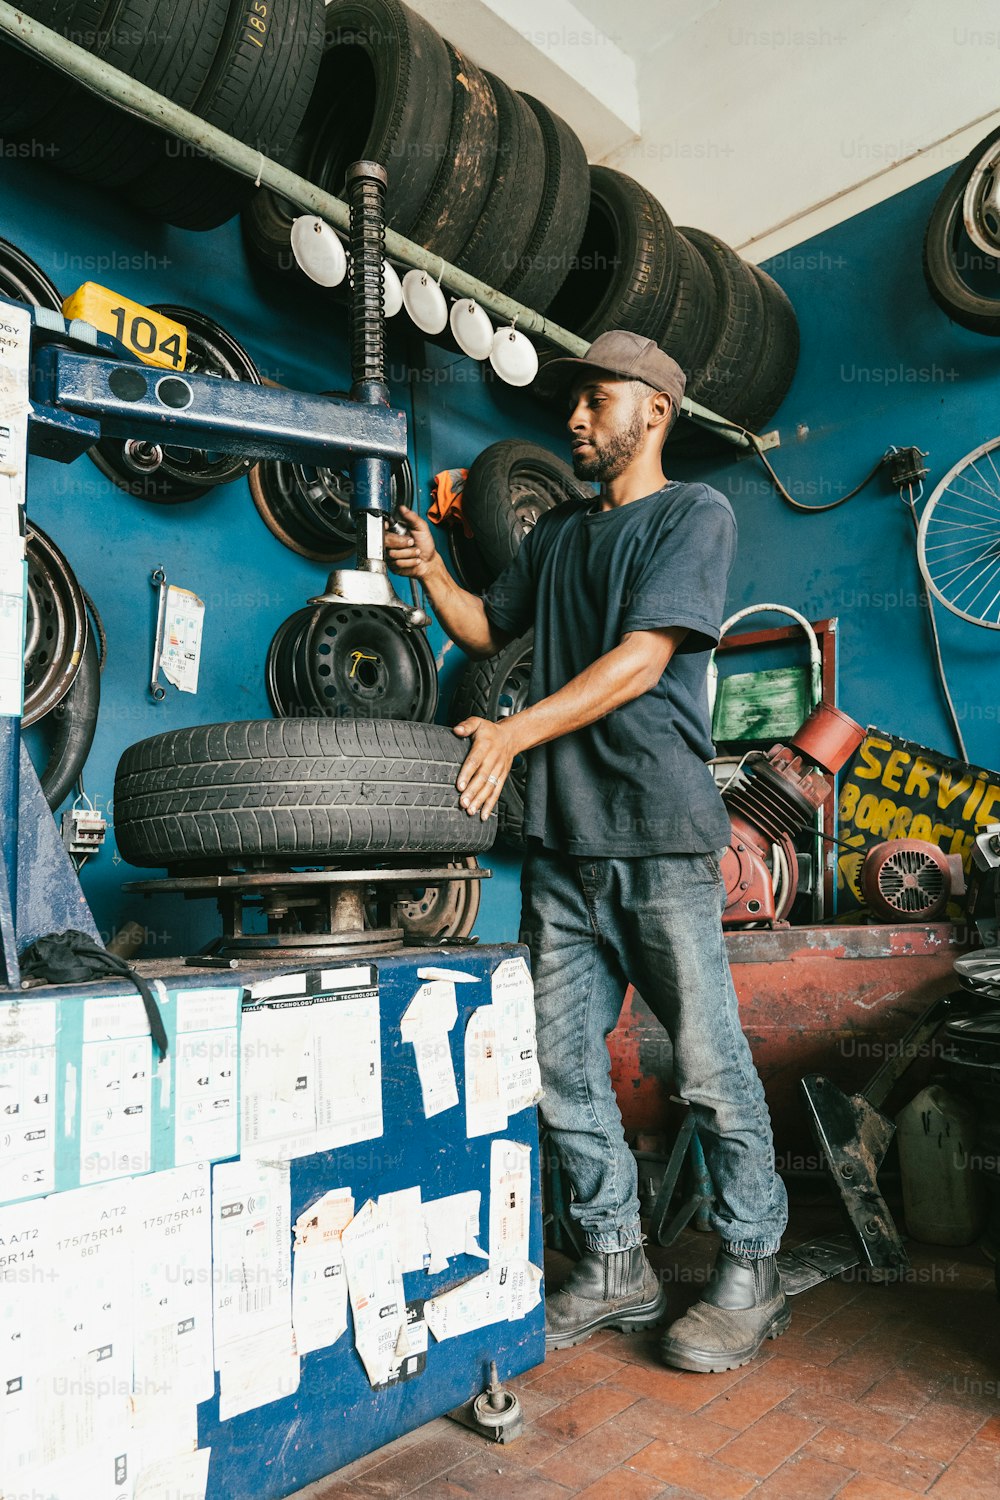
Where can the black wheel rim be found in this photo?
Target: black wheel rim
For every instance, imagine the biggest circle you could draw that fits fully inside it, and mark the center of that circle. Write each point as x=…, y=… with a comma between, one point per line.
x=184, y=474
x=509, y=694
x=351, y=661
x=309, y=507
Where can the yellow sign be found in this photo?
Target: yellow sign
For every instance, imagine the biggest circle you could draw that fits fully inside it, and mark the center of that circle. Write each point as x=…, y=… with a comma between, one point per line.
x=895, y=789
x=156, y=339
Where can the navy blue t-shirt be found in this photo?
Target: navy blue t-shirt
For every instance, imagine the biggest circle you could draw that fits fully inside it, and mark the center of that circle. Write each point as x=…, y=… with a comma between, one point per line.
x=636, y=781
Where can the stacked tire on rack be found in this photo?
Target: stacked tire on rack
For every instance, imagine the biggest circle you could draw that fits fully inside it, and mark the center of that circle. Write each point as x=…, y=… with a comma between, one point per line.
x=482, y=175
x=247, y=68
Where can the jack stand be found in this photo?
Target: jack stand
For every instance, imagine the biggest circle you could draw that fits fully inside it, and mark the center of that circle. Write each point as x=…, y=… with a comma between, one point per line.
x=495, y=1413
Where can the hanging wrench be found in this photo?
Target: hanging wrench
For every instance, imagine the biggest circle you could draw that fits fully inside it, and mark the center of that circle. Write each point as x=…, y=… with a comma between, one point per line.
x=157, y=691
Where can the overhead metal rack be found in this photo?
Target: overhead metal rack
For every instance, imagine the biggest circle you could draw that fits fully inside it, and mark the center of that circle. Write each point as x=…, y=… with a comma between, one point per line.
x=145, y=103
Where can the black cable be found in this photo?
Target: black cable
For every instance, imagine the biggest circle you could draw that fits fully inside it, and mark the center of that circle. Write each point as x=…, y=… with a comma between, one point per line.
x=754, y=442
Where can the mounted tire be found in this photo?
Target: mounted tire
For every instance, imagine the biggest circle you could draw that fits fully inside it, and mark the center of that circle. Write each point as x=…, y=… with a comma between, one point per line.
x=73, y=723
x=299, y=790
x=508, y=487
x=779, y=353
x=495, y=689
x=948, y=252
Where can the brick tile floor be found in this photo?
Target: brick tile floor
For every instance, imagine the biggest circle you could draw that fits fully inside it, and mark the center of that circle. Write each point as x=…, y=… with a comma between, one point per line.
x=875, y=1393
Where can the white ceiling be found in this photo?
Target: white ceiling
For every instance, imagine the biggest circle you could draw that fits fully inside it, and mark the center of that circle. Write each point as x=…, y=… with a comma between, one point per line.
x=764, y=121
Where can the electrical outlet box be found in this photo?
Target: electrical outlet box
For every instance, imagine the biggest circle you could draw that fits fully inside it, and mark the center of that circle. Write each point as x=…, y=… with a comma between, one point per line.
x=83, y=830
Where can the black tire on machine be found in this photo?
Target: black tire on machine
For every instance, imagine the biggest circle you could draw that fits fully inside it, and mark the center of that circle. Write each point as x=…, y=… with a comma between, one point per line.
x=257, y=89
x=186, y=473
x=495, y=689
x=294, y=789
x=507, y=488
x=308, y=507
x=351, y=660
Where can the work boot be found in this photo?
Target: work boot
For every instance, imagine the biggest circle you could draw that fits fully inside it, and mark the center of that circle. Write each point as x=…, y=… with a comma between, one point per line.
x=613, y=1289
x=743, y=1305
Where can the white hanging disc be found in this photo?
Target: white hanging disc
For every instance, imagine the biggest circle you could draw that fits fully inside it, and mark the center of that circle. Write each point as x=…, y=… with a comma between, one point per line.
x=392, y=290
x=318, y=251
x=472, y=329
x=513, y=357
x=424, y=301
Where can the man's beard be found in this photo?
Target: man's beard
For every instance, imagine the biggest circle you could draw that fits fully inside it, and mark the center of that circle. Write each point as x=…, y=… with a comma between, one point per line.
x=607, y=462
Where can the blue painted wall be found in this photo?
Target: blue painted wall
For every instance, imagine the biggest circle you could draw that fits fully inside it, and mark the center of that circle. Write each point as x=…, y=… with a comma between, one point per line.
x=881, y=365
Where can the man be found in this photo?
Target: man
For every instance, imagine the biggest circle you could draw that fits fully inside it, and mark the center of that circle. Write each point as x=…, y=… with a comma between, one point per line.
x=625, y=832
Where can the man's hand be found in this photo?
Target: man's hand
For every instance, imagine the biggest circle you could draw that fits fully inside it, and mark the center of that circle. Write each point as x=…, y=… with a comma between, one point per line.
x=487, y=765
x=411, y=554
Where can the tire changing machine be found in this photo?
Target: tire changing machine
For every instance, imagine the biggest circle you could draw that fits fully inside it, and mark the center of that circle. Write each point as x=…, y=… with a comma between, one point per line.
x=99, y=1131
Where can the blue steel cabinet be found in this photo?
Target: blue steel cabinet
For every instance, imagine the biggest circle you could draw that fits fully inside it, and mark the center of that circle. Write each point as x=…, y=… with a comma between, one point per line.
x=335, y=1415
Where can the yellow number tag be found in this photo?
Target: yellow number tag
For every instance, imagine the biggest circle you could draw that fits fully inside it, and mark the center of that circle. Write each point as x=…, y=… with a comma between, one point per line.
x=156, y=339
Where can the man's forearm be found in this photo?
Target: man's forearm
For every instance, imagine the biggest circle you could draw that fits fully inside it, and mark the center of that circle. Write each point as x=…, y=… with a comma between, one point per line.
x=460, y=613
x=616, y=678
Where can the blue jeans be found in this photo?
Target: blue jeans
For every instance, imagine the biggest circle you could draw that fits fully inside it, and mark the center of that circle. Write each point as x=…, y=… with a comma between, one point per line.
x=593, y=925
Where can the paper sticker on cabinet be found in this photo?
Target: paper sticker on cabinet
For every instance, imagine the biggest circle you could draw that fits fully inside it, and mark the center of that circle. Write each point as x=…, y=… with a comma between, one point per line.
x=425, y=1025
x=514, y=1003
x=311, y=1073
x=376, y=1291
x=485, y=1108
x=510, y=1201
x=452, y=1227
x=319, y=1282
x=251, y=1247
x=27, y=1099
x=504, y=1293
x=116, y=1107
x=404, y=1214
x=184, y=1477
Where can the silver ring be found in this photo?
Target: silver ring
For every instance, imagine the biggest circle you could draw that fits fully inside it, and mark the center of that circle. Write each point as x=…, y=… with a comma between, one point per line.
x=494, y=779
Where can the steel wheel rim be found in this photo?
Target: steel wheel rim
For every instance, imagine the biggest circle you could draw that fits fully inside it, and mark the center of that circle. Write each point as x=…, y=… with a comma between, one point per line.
x=351, y=661
x=981, y=202
x=55, y=627
x=448, y=910
x=958, y=539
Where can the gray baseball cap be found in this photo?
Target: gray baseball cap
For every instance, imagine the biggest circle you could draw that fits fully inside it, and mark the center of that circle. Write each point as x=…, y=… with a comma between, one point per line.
x=626, y=356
